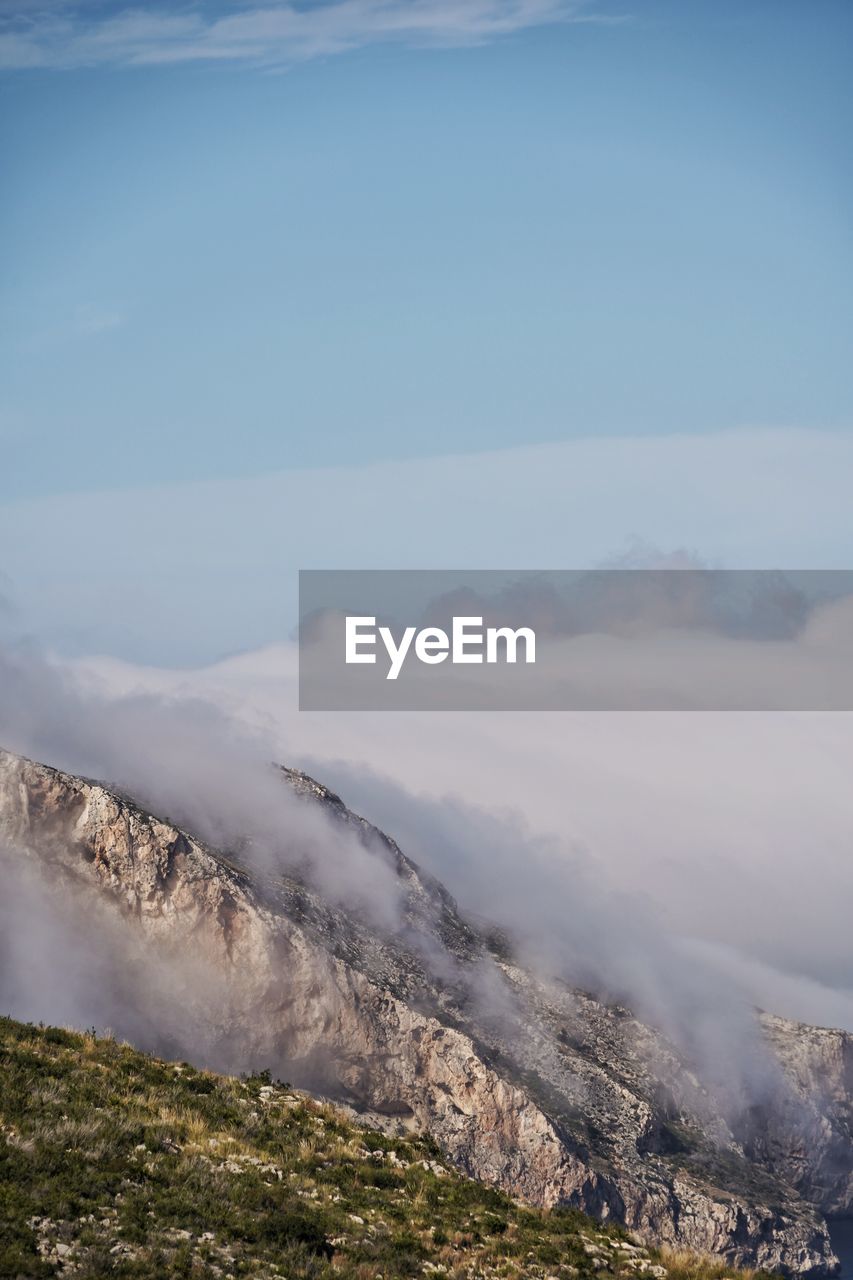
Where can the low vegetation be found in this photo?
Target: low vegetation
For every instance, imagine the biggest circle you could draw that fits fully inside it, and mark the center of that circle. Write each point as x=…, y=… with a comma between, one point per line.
x=115, y=1163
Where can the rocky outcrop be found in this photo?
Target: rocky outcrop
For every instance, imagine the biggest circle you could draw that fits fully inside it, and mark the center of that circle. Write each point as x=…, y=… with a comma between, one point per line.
x=423, y=1022
x=807, y=1137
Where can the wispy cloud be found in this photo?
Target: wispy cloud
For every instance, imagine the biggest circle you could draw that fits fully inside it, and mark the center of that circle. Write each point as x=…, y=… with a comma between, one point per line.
x=67, y=36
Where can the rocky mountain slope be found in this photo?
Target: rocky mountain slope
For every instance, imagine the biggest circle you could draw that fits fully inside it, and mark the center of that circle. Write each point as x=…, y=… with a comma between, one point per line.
x=114, y=1162
x=423, y=1022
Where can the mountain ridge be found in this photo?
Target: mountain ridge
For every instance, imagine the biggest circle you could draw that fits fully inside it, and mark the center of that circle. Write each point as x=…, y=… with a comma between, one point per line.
x=544, y=1092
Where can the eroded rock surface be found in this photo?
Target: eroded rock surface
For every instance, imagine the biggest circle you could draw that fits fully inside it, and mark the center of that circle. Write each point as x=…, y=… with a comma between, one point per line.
x=545, y=1091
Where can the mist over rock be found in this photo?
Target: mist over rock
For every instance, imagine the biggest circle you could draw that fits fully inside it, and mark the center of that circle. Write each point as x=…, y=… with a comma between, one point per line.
x=415, y=1017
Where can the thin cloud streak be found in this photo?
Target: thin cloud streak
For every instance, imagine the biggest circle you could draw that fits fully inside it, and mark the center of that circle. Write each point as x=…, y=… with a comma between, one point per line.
x=270, y=36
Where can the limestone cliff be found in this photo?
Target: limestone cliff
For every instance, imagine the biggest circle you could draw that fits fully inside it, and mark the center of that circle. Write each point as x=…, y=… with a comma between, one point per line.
x=545, y=1091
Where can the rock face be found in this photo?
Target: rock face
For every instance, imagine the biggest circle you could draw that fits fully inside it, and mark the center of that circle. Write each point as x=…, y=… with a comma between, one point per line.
x=808, y=1138
x=426, y=1022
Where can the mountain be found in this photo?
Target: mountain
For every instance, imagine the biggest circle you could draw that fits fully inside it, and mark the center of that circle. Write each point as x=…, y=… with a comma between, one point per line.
x=424, y=1022
x=117, y=1163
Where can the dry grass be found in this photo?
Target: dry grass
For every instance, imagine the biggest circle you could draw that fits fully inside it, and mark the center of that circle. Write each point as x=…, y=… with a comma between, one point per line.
x=114, y=1163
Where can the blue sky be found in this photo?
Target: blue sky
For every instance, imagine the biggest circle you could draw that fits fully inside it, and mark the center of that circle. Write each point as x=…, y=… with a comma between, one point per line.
x=305, y=286
x=487, y=227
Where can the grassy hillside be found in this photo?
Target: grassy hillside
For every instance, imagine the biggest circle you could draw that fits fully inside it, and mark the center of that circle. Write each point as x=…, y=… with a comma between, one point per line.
x=115, y=1163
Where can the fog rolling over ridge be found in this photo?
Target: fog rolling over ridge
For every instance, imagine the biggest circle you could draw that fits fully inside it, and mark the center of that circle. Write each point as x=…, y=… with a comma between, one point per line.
x=238, y=958
x=562, y=1034
x=194, y=749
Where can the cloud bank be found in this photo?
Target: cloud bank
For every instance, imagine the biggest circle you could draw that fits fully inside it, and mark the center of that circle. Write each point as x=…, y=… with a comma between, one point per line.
x=190, y=572
x=729, y=831
x=682, y=862
x=274, y=35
